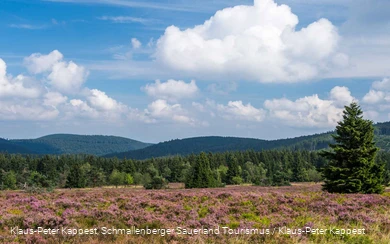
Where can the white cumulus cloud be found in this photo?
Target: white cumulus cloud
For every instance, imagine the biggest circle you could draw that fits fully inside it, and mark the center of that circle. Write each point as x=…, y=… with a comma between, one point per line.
x=341, y=95
x=377, y=100
x=135, y=43
x=23, y=98
x=96, y=104
x=99, y=100
x=379, y=92
x=239, y=111
x=374, y=96
x=54, y=99
x=38, y=63
x=311, y=110
x=258, y=42
x=15, y=87
x=383, y=85
x=26, y=110
x=171, y=90
x=66, y=77
x=161, y=110
x=79, y=108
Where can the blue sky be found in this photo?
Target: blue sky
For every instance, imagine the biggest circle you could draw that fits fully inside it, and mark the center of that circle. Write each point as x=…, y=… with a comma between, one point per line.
x=159, y=70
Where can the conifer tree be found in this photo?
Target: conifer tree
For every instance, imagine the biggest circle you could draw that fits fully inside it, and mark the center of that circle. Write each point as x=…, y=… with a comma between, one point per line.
x=200, y=176
x=351, y=167
x=233, y=170
x=74, y=177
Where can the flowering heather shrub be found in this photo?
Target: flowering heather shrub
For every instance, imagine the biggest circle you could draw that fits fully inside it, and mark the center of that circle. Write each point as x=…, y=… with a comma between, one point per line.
x=234, y=207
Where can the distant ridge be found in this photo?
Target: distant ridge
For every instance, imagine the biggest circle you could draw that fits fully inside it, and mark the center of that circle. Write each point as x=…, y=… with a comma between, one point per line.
x=115, y=146
x=223, y=144
x=8, y=146
x=71, y=144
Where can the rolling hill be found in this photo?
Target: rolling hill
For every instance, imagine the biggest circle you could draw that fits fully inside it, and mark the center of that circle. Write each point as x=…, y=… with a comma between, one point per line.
x=113, y=146
x=222, y=144
x=71, y=144
x=8, y=146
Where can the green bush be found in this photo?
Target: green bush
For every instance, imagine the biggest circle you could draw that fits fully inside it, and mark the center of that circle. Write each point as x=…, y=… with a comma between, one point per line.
x=157, y=182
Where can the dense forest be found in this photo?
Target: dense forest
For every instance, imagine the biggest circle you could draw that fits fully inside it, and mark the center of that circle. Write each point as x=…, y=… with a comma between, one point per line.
x=71, y=144
x=269, y=167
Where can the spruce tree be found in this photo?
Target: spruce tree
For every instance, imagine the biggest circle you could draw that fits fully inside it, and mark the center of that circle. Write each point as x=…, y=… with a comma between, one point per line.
x=74, y=176
x=351, y=167
x=200, y=176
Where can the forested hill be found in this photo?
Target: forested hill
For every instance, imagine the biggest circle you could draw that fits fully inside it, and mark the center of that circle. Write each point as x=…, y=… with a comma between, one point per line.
x=113, y=146
x=223, y=144
x=71, y=144
x=8, y=146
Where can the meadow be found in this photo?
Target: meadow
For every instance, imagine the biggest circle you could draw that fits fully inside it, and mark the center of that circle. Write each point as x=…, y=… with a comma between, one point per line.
x=239, y=214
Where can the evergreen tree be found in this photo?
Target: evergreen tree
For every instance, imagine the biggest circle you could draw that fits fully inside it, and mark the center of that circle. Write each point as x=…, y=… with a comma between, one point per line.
x=166, y=173
x=97, y=177
x=351, y=167
x=85, y=170
x=299, y=169
x=281, y=176
x=201, y=175
x=233, y=171
x=73, y=178
x=128, y=166
x=152, y=171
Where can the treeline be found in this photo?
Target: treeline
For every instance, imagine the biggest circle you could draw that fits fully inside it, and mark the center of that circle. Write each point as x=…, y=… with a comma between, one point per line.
x=270, y=167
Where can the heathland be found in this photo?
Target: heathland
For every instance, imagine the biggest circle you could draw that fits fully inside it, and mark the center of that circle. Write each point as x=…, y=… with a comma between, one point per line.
x=300, y=213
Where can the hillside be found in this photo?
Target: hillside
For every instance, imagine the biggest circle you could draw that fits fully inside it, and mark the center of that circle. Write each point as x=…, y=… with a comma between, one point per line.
x=8, y=146
x=113, y=146
x=72, y=144
x=222, y=144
